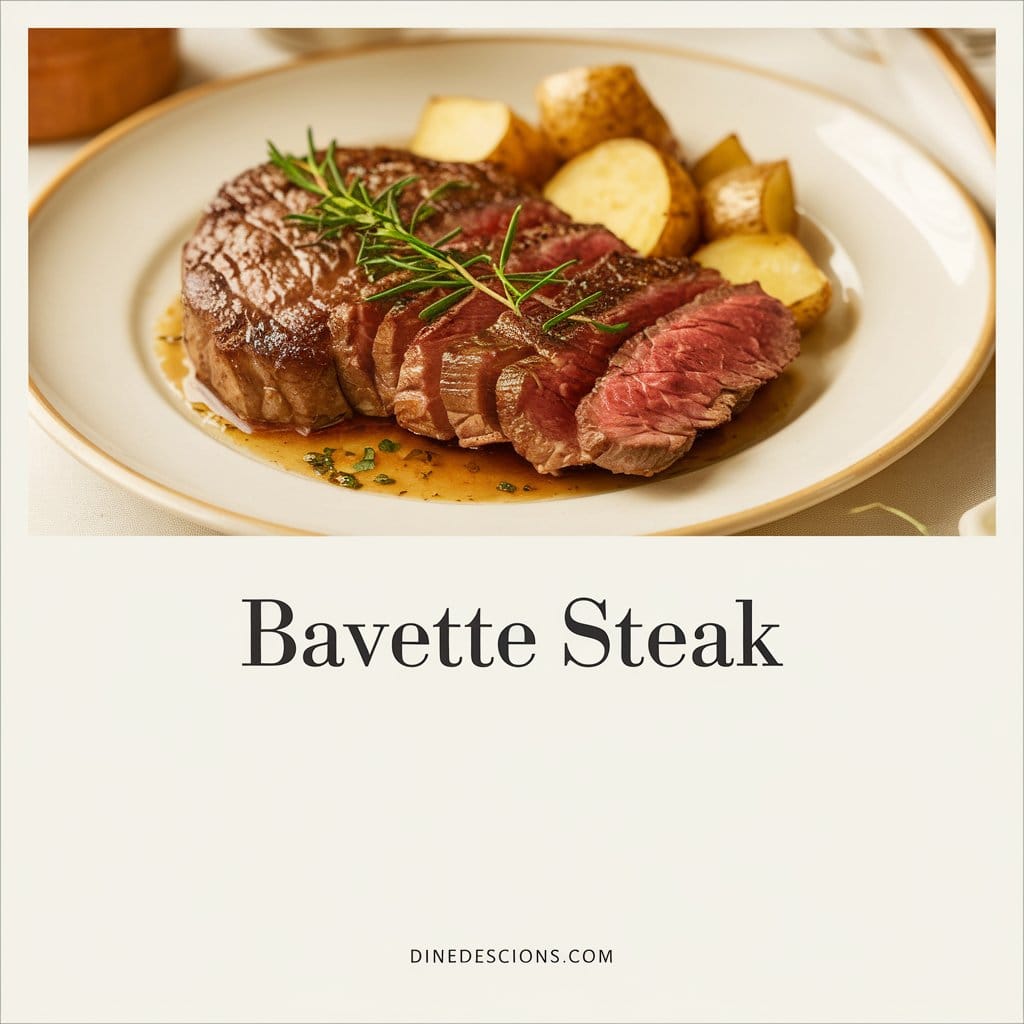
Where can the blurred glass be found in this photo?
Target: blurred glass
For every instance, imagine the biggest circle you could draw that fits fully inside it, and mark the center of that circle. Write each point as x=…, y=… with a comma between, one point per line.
x=309, y=40
x=856, y=42
x=973, y=43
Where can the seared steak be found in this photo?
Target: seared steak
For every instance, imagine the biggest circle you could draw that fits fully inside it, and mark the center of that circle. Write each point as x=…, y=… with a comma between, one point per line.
x=419, y=405
x=268, y=317
x=402, y=323
x=255, y=329
x=371, y=336
x=284, y=328
x=537, y=395
x=688, y=372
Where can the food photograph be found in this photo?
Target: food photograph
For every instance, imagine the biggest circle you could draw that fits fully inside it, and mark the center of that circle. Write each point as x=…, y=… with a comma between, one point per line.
x=412, y=282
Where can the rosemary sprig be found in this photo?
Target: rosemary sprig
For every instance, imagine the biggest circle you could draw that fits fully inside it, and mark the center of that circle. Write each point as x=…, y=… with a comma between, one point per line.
x=388, y=244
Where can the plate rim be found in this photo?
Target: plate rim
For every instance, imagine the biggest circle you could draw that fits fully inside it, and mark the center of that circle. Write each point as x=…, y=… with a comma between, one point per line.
x=228, y=520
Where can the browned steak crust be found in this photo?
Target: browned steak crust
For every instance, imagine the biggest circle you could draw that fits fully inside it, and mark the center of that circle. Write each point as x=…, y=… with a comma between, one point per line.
x=276, y=326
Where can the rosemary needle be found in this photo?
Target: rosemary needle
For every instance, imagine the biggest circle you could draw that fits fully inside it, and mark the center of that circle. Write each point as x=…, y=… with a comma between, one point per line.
x=388, y=244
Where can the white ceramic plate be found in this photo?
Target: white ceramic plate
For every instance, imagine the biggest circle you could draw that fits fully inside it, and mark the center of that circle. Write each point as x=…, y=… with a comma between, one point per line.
x=907, y=338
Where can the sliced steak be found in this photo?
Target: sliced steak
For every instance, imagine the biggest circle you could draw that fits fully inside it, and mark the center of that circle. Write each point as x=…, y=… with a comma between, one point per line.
x=469, y=375
x=263, y=309
x=353, y=326
x=284, y=330
x=536, y=396
x=420, y=404
x=480, y=205
x=688, y=372
x=401, y=322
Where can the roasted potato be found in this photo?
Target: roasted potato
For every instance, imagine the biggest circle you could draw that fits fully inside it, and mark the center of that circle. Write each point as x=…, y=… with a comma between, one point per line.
x=636, y=191
x=780, y=264
x=727, y=155
x=466, y=129
x=584, y=106
x=749, y=200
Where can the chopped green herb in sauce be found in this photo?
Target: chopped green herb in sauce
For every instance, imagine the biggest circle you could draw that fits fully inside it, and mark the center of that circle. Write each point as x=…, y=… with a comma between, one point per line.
x=507, y=487
x=348, y=480
x=321, y=462
x=383, y=478
x=368, y=461
x=387, y=445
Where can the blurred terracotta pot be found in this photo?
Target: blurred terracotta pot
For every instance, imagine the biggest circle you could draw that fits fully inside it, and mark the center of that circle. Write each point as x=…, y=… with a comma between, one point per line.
x=83, y=79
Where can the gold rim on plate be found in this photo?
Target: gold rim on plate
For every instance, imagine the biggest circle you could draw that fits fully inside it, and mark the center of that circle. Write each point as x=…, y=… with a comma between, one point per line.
x=218, y=517
x=972, y=92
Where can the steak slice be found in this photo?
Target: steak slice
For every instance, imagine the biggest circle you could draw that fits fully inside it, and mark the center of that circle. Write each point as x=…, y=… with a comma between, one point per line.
x=262, y=320
x=688, y=372
x=536, y=396
x=419, y=403
x=401, y=320
x=399, y=324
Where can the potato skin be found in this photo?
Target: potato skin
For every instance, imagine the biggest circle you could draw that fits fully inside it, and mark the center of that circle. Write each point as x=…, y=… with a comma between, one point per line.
x=780, y=264
x=521, y=150
x=682, y=228
x=582, y=107
x=809, y=310
x=726, y=155
x=525, y=152
x=615, y=183
x=749, y=200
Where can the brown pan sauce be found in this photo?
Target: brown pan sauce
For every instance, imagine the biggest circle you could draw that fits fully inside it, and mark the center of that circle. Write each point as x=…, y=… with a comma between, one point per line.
x=427, y=470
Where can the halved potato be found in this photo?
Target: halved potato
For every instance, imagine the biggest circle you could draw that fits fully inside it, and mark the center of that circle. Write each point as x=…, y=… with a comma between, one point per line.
x=727, y=155
x=584, y=106
x=780, y=264
x=636, y=191
x=466, y=129
x=749, y=200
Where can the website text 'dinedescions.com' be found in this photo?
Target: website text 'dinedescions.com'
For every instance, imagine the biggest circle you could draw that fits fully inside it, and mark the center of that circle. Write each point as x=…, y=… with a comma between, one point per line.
x=508, y=955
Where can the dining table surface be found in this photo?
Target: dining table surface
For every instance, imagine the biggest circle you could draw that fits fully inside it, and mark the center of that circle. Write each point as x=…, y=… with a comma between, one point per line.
x=904, y=77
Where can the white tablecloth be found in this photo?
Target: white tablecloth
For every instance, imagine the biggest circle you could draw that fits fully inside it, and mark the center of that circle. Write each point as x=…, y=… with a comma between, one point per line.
x=936, y=482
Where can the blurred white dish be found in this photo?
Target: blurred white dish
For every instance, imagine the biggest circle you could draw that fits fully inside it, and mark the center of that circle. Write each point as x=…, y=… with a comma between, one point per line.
x=979, y=521
x=310, y=40
x=909, y=255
